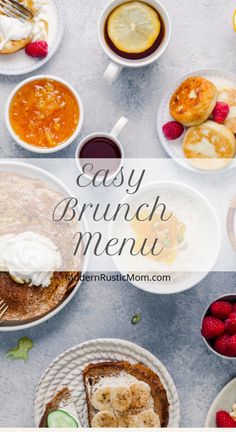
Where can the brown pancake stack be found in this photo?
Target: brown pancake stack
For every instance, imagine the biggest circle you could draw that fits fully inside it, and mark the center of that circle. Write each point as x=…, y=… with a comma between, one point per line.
x=27, y=204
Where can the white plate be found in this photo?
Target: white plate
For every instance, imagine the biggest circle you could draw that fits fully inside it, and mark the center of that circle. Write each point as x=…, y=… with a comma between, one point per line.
x=20, y=63
x=224, y=401
x=67, y=370
x=195, y=276
x=53, y=182
x=174, y=148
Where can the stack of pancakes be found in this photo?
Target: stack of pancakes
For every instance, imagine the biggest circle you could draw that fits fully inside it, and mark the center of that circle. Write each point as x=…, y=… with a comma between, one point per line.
x=27, y=204
x=207, y=144
x=12, y=45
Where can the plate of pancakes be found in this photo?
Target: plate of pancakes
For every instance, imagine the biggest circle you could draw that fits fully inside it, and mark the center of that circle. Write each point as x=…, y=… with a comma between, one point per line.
x=204, y=144
x=28, y=197
x=47, y=24
x=110, y=365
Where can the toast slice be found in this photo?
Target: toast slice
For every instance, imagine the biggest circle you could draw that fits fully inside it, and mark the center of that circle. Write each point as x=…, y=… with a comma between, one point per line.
x=61, y=401
x=93, y=373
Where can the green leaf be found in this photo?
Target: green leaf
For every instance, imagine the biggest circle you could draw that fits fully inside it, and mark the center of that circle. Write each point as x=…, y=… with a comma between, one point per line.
x=21, y=352
x=136, y=319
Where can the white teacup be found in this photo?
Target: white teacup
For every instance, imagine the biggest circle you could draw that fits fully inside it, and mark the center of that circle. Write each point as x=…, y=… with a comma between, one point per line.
x=113, y=136
x=117, y=62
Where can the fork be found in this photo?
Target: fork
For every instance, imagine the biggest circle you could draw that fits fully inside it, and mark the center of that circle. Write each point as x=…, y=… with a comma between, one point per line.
x=3, y=308
x=14, y=9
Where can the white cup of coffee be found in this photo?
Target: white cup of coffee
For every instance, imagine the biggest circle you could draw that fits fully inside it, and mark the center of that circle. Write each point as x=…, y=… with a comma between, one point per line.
x=101, y=151
x=117, y=60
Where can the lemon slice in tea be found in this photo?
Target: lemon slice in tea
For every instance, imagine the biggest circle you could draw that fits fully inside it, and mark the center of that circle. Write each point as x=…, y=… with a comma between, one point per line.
x=133, y=27
x=234, y=20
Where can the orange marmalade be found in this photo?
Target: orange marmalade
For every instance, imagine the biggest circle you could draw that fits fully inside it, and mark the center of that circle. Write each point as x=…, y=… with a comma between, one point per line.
x=44, y=113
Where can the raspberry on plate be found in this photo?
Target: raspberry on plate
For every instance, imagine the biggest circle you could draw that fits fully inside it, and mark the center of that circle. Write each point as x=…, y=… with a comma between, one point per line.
x=221, y=112
x=224, y=420
x=221, y=309
x=212, y=327
x=173, y=130
x=37, y=49
x=230, y=324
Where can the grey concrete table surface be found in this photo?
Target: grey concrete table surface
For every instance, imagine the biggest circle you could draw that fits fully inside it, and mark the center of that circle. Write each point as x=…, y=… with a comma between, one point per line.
x=202, y=38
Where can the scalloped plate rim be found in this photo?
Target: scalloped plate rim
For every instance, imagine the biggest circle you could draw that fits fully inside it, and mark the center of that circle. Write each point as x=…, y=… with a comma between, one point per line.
x=137, y=350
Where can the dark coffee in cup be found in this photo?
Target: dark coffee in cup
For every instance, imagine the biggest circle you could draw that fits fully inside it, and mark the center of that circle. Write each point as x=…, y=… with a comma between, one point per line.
x=100, y=153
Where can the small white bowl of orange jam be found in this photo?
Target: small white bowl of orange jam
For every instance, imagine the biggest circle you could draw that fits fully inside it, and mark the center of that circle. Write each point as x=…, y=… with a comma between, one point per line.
x=44, y=114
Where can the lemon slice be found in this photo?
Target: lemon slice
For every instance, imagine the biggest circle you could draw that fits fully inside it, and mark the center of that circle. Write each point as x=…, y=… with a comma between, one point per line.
x=234, y=20
x=133, y=27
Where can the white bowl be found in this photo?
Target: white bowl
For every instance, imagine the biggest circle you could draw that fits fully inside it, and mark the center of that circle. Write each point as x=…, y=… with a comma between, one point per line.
x=226, y=297
x=35, y=149
x=53, y=182
x=194, y=277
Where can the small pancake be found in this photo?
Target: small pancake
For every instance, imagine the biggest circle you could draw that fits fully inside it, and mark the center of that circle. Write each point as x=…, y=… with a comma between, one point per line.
x=13, y=46
x=209, y=146
x=228, y=95
x=193, y=102
x=16, y=45
x=231, y=120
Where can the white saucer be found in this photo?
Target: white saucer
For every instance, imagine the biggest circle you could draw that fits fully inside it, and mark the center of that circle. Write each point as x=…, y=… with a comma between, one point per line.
x=20, y=63
x=174, y=148
x=224, y=401
x=67, y=370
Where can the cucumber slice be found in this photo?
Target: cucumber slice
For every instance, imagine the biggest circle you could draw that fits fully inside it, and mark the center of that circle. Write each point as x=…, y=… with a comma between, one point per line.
x=60, y=419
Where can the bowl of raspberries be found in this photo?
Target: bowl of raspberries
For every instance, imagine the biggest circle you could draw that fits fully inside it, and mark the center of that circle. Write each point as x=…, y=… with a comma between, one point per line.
x=219, y=326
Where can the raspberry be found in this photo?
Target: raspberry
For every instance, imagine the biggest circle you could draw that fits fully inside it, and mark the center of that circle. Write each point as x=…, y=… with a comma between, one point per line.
x=173, y=130
x=212, y=327
x=224, y=420
x=221, y=112
x=232, y=346
x=221, y=309
x=221, y=345
x=37, y=49
x=230, y=324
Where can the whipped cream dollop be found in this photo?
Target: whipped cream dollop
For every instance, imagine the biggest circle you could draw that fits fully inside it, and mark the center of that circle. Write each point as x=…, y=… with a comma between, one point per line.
x=13, y=29
x=29, y=258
